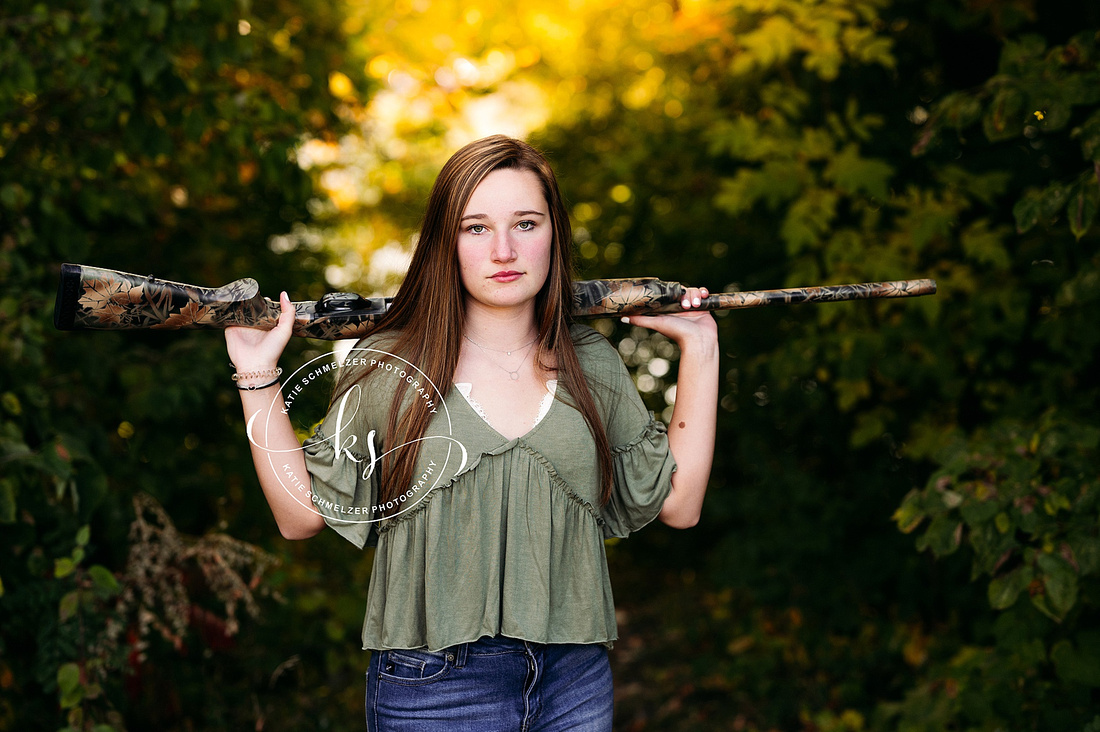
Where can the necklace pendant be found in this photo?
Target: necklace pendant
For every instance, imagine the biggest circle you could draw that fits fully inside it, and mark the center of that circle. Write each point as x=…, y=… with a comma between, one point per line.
x=514, y=375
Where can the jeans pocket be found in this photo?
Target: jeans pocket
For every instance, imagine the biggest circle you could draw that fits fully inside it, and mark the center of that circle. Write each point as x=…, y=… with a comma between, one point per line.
x=415, y=667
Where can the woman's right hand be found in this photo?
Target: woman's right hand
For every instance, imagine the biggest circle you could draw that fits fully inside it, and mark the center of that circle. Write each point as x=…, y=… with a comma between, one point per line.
x=252, y=349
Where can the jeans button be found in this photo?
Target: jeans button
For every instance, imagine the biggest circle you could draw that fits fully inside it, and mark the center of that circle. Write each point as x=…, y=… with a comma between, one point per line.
x=450, y=658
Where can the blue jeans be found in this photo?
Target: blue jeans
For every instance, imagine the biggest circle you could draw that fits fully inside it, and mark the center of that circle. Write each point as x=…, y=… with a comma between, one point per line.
x=491, y=685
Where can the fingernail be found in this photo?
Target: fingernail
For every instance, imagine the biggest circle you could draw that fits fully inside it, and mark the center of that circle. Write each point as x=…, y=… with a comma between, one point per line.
x=625, y=319
x=695, y=302
x=686, y=303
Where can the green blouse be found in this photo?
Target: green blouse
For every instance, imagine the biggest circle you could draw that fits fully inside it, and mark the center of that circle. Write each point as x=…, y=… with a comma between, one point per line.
x=495, y=536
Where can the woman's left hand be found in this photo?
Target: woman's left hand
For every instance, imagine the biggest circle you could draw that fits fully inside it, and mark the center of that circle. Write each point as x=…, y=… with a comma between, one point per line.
x=690, y=327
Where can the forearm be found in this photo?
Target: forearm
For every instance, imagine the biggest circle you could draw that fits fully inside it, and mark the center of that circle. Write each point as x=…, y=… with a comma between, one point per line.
x=691, y=433
x=280, y=464
x=276, y=452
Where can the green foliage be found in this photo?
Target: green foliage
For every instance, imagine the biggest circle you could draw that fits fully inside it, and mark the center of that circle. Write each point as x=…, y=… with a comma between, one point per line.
x=1026, y=503
x=1038, y=93
x=741, y=145
x=150, y=137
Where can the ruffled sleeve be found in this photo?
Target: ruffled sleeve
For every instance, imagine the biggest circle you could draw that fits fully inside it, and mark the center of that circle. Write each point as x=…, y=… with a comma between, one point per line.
x=340, y=493
x=643, y=478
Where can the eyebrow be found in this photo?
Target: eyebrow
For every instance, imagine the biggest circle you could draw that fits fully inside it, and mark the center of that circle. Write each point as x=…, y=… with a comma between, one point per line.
x=514, y=213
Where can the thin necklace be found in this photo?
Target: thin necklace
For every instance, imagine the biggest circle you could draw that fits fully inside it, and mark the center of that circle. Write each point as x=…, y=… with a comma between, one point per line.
x=512, y=374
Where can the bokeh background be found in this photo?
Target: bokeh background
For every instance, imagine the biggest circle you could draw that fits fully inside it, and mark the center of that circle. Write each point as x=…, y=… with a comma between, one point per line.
x=903, y=525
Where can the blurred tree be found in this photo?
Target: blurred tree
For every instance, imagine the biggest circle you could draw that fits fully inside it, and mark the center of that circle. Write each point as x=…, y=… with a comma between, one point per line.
x=151, y=137
x=737, y=144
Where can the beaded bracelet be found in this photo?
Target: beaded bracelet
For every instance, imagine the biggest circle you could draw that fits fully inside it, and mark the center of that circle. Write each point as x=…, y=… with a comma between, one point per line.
x=276, y=372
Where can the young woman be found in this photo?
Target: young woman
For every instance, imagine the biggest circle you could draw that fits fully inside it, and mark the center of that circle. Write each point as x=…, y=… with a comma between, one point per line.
x=488, y=446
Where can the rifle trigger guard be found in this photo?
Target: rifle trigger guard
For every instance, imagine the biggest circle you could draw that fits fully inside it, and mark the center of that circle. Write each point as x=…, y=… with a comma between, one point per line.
x=340, y=302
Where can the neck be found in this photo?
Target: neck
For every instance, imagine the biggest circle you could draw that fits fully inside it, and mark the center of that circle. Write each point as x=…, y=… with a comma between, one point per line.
x=500, y=328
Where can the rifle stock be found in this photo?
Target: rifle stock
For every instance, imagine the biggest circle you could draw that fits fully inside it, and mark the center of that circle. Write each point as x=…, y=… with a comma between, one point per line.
x=105, y=299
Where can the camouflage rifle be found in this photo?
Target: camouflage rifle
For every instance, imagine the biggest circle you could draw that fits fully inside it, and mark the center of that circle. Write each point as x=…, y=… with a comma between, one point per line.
x=104, y=299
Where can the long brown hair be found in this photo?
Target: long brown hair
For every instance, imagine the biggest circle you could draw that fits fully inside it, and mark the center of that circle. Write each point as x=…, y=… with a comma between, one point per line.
x=427, y=316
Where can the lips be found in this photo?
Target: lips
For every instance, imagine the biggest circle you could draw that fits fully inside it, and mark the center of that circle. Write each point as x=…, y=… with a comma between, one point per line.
x=506, y=276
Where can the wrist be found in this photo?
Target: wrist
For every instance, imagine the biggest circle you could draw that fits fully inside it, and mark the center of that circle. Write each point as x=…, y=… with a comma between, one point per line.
x=256, y=378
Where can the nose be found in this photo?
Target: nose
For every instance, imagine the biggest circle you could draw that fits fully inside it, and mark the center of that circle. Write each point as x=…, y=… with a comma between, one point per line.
x=503, y=248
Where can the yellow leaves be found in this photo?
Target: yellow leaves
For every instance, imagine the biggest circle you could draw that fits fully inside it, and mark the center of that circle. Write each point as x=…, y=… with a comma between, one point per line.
x=342, y=187
x=645, y=89
x=915, y=650
x=829, y=34
x=549, y=26
x=340, y=85
x=849, y=392
x=865, y=45
x=770, y=44
x=621, y=193
x=380, y=66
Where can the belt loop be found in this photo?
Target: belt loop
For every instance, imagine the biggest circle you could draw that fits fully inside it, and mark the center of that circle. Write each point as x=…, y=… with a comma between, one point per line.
x=459, y=652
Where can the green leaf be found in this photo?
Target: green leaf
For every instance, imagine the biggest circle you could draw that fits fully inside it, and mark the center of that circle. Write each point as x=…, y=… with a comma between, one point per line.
x=1004, y=590
x=68, y=683
x=855, y=174
x=1020, y=53
x=1089, y=135
x=1081, y=210
x=984, y=245
x=1086, y=550
x=1060, y=583
x=103, y=580
x=68, y=606
x=942, y=536
x=7, y=502
x=960, y=110
x=1005, y=117
x=1080, y=664
x=83, y=535
x=63, y=567
x=1027, y=211
x=1052, y=199
x=910, y=513
x=158, y=18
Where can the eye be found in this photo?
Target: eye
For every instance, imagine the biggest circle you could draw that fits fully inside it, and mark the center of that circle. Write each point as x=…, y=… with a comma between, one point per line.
x=476, y=228
x=526, y=225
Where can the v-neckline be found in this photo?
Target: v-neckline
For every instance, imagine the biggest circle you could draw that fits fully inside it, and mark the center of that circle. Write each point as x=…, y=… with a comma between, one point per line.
x=483, y=419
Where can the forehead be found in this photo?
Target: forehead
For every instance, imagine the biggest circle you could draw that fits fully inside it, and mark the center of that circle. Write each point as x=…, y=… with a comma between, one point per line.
x=505, y=191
